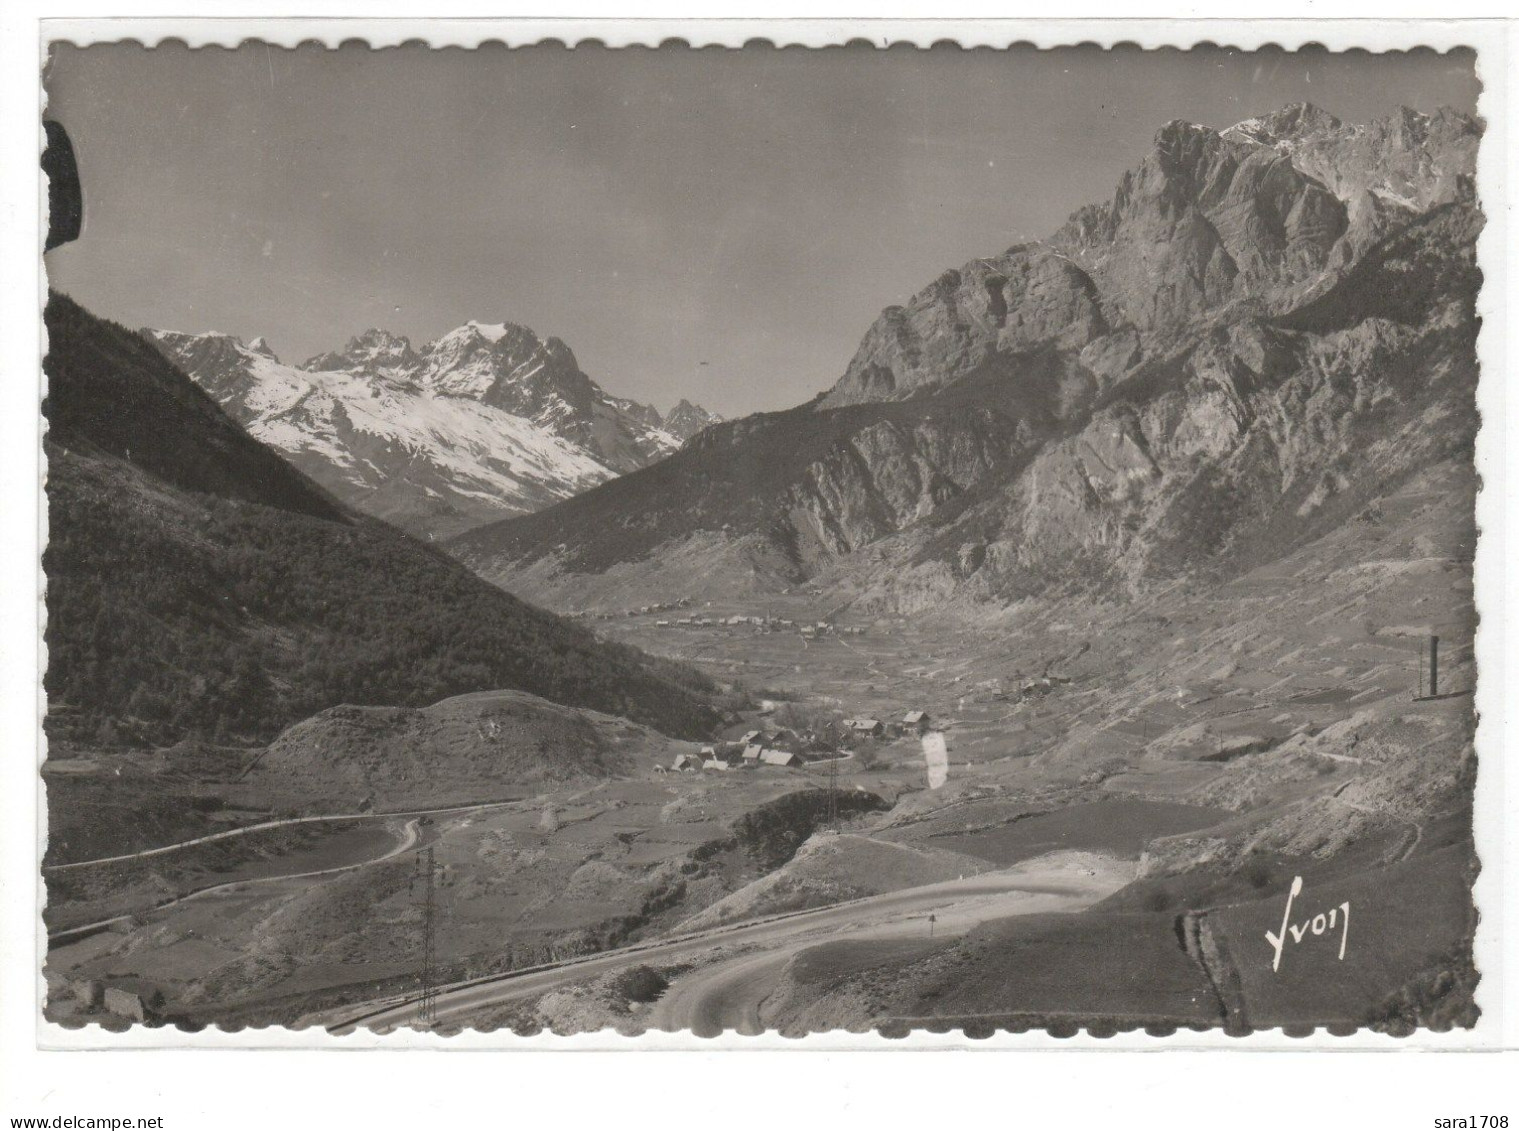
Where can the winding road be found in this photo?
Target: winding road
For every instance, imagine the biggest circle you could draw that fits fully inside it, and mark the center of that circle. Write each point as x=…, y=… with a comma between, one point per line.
x=244, y=830
x=726, y=995
x=727, y=989
x=409, y=835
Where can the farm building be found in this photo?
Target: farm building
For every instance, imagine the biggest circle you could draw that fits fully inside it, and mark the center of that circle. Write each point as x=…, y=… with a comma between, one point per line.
x=729, y=754
x=865, y=728
x=749, y=737
x=752, y=752
x=780, y=758
x=88, y=992
x=685, y=763
x=916, y=722
x=132, y=998
x=783, y=737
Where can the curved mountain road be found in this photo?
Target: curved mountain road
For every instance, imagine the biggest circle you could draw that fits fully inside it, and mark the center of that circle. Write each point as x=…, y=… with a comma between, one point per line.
x=728, y=990
x=726, y=995
x=409, y=834
x=262, y=826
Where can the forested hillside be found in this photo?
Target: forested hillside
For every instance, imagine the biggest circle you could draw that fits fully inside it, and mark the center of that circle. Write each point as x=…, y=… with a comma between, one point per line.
x=199, y=585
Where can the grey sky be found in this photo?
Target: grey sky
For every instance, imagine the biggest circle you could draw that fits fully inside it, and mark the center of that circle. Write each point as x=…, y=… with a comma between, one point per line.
x=655, y=209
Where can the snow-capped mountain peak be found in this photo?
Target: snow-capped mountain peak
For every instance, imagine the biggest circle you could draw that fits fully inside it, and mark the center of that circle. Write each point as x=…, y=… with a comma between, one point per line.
x=259, y=345
x=490, y=331
x=372, y=351
x=486, y=421
x=1285, y=125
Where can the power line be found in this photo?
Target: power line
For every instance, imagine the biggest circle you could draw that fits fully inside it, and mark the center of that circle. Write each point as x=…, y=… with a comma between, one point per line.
x=833, y=791
x=427, y=872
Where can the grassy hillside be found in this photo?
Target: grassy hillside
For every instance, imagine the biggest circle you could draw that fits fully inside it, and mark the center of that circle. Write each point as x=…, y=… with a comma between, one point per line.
x=197, y=584
x=491, y=745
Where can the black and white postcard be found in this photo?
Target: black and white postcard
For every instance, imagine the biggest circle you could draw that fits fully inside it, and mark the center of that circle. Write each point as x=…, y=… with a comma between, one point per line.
x=546, y=537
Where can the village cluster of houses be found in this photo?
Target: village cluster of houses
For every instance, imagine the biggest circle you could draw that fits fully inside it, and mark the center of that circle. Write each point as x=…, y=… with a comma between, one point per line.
x=784, y=747
x=730, y=756
x=764, y=624
x=915, y=722
x=640, y=611
x=776, y=746
x=808, y=629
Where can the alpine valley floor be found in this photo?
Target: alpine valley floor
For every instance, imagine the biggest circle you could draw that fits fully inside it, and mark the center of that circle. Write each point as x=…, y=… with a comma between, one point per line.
x=1108, y=851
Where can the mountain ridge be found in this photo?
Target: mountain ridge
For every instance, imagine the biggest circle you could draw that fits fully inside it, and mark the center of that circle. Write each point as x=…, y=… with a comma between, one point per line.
x=1095, y=408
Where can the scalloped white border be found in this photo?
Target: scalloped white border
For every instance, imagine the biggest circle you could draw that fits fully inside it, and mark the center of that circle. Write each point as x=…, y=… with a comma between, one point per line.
x=1495, y=459
x=1374, y=36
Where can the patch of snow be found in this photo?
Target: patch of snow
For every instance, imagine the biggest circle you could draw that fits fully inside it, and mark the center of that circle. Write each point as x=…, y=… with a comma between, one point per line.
x=491, y=331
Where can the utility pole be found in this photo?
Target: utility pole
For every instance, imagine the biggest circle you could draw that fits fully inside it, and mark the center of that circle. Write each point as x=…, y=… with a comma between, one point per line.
x=833, y=792
x=1429, y=689
x=427, y=872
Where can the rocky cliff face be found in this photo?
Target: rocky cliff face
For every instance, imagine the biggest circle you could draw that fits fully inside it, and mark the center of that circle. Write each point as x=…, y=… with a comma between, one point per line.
x=489, y=420
x=1259, y=330
x=1411, y=160
x=1255, y=217
x=888, y=475
x=1248, y=440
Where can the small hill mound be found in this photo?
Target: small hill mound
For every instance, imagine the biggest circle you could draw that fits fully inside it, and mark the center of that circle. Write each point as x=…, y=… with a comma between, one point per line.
x=482, y=747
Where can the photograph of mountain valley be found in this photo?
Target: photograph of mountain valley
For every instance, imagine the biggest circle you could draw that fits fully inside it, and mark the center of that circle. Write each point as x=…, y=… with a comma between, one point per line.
x=767, y=539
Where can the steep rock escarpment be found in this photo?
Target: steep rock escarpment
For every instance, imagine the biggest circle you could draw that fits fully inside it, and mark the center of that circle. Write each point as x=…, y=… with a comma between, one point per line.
x=1259, y=216
x=810, y=485
x=1240, y=446
x=1228, y=356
